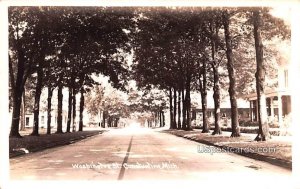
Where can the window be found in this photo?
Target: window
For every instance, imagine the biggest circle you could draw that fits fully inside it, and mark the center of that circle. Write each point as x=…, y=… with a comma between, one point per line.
x=286, y=76
x=42, y=120
x=27, y=121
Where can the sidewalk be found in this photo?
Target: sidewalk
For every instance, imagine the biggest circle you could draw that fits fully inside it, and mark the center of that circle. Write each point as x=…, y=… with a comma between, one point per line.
x=29, y=144
x=277, y=151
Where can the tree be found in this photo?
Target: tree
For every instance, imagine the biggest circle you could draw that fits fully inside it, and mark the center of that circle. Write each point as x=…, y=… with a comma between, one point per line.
x=251, y=55
x=231, y=75
x=148, y=105
x=42, y=44
x=214, y=27
x=203, y=91
x=81, y=51
x=152, y=46
x=94, y=101
x=53, y=72
x=170, y=41
x=22, y=38
x=263, y=133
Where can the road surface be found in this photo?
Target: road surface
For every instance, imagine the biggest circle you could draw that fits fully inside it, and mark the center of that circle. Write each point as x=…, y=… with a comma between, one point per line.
x=143, y=154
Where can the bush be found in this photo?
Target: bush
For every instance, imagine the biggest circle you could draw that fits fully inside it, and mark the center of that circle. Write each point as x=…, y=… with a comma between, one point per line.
x=250, y=123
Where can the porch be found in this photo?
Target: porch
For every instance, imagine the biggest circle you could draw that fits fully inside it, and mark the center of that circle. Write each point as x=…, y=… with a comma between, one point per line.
x=278, y=103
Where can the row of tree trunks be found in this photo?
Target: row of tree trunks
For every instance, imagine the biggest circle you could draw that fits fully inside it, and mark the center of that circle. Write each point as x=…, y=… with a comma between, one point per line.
x=71, y=110
x=180, y=106
x=38, y=92
x=107, y=120
x=112, y=121
x=71, y=105
x=159, y=118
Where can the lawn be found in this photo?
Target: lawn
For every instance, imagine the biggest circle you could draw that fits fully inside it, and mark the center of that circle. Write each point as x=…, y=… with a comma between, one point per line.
x=277, y=150
x=28, y=144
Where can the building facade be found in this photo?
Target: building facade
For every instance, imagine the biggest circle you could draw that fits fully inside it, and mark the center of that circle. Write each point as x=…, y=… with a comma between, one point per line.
x=278, y=100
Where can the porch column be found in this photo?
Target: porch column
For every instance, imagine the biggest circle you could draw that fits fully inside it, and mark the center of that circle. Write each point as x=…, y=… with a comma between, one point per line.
x=279, y=110
x=251, y=111
x=256, y=116
x=272, y=107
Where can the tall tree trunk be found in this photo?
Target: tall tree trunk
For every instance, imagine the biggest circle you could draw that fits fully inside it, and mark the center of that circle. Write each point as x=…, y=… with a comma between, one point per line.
x=188, y=103
x=74, y=110
x=203, y=88
x=179, y=110
x=108, y=121
x=116, y=121
x=50, y=93
x=38, y=91
x=23, y=112
x=160, y=118
x=204, y=112
x=263, y=131
x=155, y=119
x=11, y=82
x=18, y=89
x=163, y=118
x=104, y=118
x=14, y=132
x=231, y=75
x=216, y=97
x=100, y=116
x=183, y=109
x=171, y=108
x=69, y=110
x=216, y=87
x=81, y=109
x=59, y=109
x=175, y=109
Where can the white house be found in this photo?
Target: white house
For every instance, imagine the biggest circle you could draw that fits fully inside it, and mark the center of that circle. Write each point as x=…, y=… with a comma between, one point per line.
x=278, y=100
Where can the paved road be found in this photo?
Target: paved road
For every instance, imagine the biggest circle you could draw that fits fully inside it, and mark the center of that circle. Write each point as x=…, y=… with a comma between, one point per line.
x=145, y=154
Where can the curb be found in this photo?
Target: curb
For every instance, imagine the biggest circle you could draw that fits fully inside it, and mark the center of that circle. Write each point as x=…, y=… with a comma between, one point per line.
x=278, y=162
x=18, y=153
